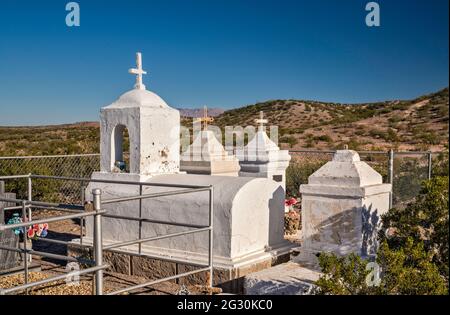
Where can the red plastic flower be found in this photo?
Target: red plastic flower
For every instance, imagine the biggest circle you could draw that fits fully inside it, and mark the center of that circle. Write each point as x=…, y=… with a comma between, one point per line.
x=290, y=202
x=31, y=232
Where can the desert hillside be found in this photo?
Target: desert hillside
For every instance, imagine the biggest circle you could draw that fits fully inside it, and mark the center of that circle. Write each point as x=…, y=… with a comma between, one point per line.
x=418, y=124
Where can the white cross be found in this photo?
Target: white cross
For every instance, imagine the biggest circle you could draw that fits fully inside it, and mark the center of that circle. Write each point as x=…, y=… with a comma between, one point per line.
x=138, y=72
x=261, y=121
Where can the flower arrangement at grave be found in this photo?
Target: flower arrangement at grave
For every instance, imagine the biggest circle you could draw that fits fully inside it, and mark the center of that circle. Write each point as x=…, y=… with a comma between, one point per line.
x=33, y=232
x=37, y=230
x=291, y=216
x=289, y=204
x=16, y=220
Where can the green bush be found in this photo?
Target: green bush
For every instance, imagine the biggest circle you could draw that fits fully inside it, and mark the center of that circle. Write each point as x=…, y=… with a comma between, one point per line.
x=297, y=173
x=413, y=256
x=425, y=219
x=325, y=138
x=407, y=270
x=291, y=140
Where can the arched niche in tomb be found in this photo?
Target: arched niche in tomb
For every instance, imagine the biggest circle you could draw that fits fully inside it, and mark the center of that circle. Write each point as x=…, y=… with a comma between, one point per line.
x=120, y=143
x=153, y=129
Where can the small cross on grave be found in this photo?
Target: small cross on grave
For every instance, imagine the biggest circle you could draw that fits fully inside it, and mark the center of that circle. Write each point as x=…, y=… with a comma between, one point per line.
x=205, y=119
x=261, y=121
x=138, y=72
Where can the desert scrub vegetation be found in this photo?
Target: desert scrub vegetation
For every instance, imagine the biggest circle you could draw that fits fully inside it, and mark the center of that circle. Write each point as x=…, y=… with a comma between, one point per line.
x=49, y=140
x=413, y=260
x=407, y=123
x=290, y=140
x=298, y=172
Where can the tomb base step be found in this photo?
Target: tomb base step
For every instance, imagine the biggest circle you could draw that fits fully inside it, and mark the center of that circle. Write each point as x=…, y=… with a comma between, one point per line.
x=229, y=279
x=285, y=279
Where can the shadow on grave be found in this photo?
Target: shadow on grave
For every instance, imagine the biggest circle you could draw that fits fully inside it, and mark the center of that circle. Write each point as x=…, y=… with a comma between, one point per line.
x=53, y=248
x=340, y=233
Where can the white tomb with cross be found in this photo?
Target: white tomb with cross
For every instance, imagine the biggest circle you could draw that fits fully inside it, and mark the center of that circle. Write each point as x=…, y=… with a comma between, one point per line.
x=142, y=113
x=248, y=211
x=261, y=157
x=206, y=155
x=342, y=205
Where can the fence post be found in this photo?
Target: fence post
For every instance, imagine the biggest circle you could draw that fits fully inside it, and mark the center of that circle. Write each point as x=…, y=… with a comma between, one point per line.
x=83, y=201
x=25, y=247
x=211, y=234
x=430, y=166
x=391, y=176
x=30, y=198
x=140, y=219
x=98, y=248
x=29, y=194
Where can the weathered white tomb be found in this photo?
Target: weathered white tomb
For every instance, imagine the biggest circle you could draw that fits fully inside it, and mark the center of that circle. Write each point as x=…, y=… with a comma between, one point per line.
x=341, y=208
x=206, y=155
x=248, y=211
x=261, y=157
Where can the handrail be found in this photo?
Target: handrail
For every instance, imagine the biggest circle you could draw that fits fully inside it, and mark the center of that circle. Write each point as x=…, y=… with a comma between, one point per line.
x=108, y=181
x=154, y=238
x=55, y=278
x=79, y=211
x=52, y=219
x=154, y=195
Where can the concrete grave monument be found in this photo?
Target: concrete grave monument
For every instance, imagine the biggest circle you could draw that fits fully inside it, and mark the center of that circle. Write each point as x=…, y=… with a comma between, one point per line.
x=248, y=211
x=261, y=157
x=206, y=155
x=341, y=208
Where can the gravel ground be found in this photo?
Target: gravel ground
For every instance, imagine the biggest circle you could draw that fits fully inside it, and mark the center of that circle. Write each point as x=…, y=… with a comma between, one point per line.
x=52, y=288
x=112, y=282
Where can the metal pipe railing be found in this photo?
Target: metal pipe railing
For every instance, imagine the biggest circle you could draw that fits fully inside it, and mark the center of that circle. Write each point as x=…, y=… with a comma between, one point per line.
x=49, y=255
x=190, y=225
x=154, y=238
x=154, y=195
x=98, y=246
x=52, y=279
x=26, y=206
x=140, y=240
x=108, y=181
x=211, y=235
x=98, y=213
x=47, y=220
x=149, y=283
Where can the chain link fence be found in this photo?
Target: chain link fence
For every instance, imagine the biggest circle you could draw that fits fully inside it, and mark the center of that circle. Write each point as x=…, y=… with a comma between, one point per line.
x=409, y=169
x=404, y=170
x=69, y=192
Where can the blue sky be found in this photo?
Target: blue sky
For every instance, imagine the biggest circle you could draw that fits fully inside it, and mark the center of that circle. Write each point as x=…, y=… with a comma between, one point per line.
x=215, y=52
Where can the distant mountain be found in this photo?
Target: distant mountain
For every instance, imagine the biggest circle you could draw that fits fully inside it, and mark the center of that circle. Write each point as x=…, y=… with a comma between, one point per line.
x=198, y=112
